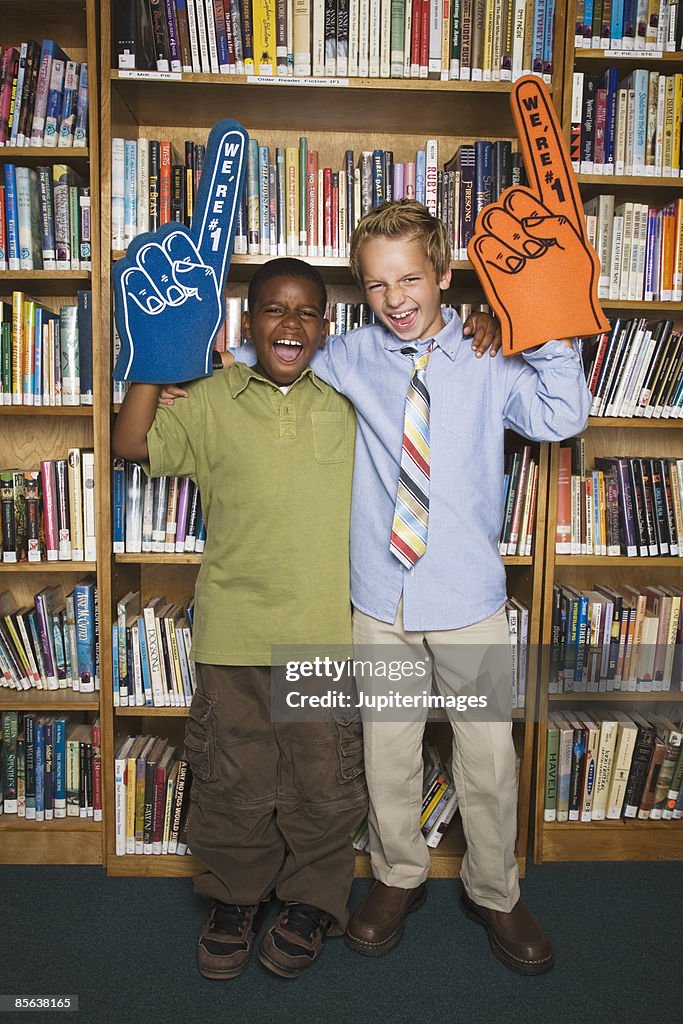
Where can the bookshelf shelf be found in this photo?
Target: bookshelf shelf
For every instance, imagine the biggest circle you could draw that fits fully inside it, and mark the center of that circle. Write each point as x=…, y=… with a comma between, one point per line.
x=32, y=155
x=85, y=411
x=202, y=100
x=445, y=861
x=43, y=283
x=52, y=567
x=616, y=696
x=147, y=712
x=634, y=422
x=12, y=822
x=645, y=57
x=620, y=560
x=642, y=306
x=610, y=181
x=158, y=559
x=48, y=700
x=614, y=840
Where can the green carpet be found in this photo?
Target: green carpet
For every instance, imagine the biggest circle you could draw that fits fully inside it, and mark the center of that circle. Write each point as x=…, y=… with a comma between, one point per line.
x=125, y=946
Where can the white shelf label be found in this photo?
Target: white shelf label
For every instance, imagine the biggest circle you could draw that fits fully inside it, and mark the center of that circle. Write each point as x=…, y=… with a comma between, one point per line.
x=637, y=54
x=163, y=76
x=326, y=83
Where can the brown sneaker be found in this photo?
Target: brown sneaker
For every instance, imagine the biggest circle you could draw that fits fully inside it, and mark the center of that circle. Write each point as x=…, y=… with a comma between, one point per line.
x=295, y=940
x=516, y=938
x=226, y=940
x=377, y=924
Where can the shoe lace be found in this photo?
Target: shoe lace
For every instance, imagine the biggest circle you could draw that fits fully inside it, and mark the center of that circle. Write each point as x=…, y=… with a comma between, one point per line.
x=229, y=917
x=305, y=921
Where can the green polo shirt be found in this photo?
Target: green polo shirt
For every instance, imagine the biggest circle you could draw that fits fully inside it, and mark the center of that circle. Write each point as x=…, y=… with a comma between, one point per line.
x=274, y=472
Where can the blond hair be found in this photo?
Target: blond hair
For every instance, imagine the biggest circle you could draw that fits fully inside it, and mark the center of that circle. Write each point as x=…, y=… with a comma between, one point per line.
x=403, y=218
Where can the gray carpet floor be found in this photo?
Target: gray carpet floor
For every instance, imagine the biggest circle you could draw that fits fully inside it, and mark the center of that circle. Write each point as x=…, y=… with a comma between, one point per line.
x=125, y=946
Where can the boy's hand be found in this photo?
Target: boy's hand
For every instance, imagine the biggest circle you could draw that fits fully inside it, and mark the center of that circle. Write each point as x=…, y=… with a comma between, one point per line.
x=168, y=289
x=485, y=331
x=170, y=392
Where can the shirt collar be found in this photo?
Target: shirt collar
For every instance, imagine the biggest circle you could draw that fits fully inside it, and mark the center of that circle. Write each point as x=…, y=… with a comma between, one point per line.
x=240, y=376
x=449, y=338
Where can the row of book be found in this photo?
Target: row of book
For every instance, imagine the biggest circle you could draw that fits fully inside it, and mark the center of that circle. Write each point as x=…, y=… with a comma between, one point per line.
x=604, y=764
x=46, y=356
x=52, y=644
x=640, y=249
x=151, y=797
x=39, y=506
x=521, y=487
x=616, y=638
x=625, y=506
x=477, y=40
x=49, y=514
x=50, y=766
x=151, y=653
x=43, y=97
x=293, y=205
x=627, y=126
x=155, y=514
x=636, y=369
x=628, y=25
x=44, y=219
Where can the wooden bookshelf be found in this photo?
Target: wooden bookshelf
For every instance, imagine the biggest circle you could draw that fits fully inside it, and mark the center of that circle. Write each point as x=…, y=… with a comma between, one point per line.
x=618, y=839
x=609, y=840
x=31, y=434
x=356, y=114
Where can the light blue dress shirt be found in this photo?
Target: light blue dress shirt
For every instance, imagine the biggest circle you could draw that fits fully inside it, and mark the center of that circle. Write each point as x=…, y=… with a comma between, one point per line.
x=460, y=579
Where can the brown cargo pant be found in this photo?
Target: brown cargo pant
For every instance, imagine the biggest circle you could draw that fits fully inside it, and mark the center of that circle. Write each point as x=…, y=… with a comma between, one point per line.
x=273, y=804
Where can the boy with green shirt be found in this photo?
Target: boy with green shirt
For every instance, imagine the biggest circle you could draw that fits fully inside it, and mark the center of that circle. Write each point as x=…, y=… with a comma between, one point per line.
x=274, y=804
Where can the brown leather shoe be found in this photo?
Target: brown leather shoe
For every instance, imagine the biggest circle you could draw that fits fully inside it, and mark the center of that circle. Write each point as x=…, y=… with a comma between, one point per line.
x=378, y=922
x=516, y=938
x=226, y=940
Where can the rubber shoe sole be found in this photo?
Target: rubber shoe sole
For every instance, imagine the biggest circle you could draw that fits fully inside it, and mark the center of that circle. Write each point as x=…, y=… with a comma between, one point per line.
x=383, y=948
x=525, y=967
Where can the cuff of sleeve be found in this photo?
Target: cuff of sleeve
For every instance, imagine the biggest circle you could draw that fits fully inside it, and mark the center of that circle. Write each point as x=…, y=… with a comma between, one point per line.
x=552, y=350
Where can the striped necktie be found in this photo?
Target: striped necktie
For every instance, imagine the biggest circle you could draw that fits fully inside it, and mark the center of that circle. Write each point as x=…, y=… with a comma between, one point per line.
x=411, y=515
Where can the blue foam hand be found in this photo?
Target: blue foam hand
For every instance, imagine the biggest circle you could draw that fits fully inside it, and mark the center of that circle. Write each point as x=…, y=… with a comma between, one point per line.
x=168, y=289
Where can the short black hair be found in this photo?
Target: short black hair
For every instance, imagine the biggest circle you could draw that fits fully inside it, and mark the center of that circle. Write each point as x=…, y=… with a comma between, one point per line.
x=286, y=266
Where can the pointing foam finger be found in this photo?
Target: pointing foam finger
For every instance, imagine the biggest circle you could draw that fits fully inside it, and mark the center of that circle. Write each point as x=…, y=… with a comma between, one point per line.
x=546, y=157
x=218, y=197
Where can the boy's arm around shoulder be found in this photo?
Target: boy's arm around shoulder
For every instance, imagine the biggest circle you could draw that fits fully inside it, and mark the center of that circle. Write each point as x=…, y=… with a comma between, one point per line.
x=547, y=398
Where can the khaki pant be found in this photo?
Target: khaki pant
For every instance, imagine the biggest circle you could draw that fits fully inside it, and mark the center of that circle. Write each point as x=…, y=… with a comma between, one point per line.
x=273, y=805
x=483, y=759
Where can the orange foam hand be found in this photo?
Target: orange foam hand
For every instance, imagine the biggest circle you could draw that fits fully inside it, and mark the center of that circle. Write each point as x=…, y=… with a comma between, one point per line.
x=530, y=250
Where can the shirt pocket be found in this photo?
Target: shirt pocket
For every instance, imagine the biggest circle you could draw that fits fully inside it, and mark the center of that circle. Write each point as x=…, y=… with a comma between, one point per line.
x=463, y=409
x=329, y=436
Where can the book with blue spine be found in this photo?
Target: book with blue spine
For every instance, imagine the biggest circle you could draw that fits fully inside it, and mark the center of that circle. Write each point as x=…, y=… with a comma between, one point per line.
x=144, y=662
x=119, y=505
x=30, y=765
x=40, y=770
x=54, y=104
x=84, y=599
x=59, y=740
x=12, y=216
x=82, y=104
x=421, y=176
x=48, y=53
x=483, y=175
x=264, y=200
x=48, y=787
x=67, y=117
